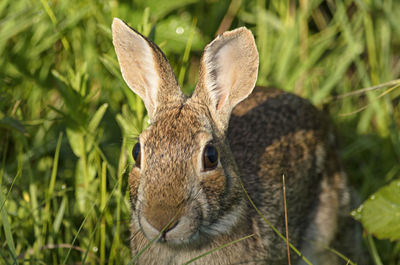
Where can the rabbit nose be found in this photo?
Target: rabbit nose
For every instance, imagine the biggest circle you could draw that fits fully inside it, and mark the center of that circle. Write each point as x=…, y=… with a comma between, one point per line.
x=162, y=217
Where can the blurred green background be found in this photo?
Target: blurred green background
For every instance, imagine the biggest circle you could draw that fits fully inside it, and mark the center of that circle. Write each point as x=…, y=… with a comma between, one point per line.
x=68, y=121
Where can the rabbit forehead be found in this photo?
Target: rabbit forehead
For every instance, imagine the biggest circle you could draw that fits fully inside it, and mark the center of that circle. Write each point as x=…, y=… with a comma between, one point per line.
x=176, y=135
x=170, y=152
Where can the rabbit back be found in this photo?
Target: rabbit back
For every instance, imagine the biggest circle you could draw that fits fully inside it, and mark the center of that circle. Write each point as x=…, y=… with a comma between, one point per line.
x=274, y=134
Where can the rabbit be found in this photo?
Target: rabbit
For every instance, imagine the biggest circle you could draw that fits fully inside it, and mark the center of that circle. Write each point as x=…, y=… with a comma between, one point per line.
x=203, y=155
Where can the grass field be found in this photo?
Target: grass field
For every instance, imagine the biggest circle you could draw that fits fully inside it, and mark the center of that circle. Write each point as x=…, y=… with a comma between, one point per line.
x=68, y=122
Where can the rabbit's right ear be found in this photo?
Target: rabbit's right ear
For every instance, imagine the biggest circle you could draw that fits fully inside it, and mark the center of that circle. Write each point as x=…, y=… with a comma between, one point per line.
x=144, y=68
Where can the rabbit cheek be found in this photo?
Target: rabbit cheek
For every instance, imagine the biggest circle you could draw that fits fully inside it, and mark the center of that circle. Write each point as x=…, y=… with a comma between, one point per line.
x=213, y=184
x=134, y=177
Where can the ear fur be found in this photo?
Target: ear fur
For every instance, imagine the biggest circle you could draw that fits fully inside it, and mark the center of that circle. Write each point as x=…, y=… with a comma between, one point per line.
x=228, y=72
x=144, y=68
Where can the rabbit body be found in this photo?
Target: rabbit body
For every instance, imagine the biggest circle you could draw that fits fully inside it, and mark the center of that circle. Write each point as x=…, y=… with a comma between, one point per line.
x=271, y=134
x=188, y=202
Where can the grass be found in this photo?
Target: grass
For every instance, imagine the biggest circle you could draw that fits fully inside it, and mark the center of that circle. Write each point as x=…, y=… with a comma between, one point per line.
x=68, y=121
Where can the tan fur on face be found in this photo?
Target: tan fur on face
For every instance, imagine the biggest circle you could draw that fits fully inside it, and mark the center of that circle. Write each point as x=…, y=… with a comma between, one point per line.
x=179, y=182
x=213, y=183
x=134, y=179
x=166, y=172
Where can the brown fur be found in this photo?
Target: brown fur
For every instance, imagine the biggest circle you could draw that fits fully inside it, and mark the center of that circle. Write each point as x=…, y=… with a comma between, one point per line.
x=259, y=138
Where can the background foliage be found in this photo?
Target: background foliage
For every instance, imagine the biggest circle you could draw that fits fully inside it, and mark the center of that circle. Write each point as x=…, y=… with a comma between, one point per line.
x=68, y=121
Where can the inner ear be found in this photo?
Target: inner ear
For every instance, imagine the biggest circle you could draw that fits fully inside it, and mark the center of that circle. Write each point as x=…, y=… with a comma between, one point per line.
x=228, y=72
x=223, y=72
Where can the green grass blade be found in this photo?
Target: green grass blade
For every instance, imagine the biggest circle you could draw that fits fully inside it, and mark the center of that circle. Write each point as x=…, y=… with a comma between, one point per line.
x=343, y=257
x=106, y=204
x=77, y=234
x=121, y=169
x=137, y=256
x=7, y=230
x=97, y=117
x=103, y=200
x=374, y=253
x=217, y=248
x=186, y=54
x=273, y=227
x=60, y=215
x=53, y=19
x=54, y=171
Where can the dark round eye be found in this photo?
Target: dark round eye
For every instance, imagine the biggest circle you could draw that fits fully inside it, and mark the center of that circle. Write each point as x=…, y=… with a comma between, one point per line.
x=210, y=157
x=136, y=154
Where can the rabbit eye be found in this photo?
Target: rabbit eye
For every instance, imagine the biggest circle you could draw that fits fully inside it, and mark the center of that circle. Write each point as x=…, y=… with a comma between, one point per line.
x=210, y=157
x=136, y=154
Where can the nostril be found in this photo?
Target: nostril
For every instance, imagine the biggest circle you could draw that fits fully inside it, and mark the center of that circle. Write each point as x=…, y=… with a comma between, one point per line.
x=162, y=237
x=166, y=230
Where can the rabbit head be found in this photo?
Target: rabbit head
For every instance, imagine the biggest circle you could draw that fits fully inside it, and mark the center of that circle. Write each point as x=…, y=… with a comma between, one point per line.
x=185, y=186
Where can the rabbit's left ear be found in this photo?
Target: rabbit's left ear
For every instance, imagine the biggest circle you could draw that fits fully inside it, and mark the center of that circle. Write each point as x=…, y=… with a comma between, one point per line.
x=144, y=68
x=228, y=72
